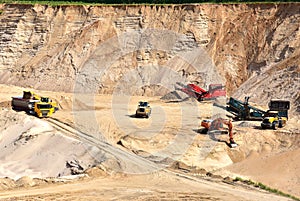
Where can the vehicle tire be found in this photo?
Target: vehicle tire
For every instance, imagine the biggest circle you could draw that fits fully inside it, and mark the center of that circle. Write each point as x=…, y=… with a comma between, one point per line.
x=280, y=124
x=273, y=126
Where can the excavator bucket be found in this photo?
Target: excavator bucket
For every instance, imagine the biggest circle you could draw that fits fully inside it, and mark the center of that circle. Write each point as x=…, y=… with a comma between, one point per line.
x=233, y=145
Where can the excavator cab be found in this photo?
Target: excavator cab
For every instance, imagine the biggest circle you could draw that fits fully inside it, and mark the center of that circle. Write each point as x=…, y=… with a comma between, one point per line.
x=219, y=126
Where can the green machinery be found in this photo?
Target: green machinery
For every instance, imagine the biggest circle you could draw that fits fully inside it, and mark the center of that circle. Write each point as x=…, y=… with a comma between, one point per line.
x=244, y=111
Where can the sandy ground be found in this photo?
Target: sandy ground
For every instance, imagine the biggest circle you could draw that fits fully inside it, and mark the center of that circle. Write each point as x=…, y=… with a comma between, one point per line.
x=133, y=153
x=155, y=186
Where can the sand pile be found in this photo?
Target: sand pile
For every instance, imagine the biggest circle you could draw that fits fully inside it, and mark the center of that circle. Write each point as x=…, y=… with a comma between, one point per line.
x=176, y=95
x=38, y=148
x=31, y=146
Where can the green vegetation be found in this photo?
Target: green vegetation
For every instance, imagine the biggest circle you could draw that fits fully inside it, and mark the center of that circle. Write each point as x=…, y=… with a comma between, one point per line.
x=95, y=2
x=266, y=188
x=52, y=3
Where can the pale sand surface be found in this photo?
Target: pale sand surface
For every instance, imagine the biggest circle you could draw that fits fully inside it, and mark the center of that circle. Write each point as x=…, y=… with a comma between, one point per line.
x=134, y=153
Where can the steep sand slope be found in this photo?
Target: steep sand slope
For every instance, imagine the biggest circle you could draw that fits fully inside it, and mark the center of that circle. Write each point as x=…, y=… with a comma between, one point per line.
x=279, y=170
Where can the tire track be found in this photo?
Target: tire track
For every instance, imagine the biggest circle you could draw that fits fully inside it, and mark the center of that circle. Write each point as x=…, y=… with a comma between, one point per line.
x=129, y=162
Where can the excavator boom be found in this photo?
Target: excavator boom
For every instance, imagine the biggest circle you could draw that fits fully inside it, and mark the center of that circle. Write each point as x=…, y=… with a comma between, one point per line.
x=218, y=125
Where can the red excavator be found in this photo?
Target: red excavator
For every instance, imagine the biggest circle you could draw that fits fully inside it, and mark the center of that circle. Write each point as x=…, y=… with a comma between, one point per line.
x=217, y=126
x=214, y=91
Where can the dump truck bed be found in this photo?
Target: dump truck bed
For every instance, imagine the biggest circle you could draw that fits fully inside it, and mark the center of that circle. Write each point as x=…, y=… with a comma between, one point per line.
x=19, y=103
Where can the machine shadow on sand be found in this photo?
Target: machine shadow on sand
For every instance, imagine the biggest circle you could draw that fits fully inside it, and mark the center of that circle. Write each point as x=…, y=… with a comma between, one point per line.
x=134, y=116
x=178, y=101
x=203, y=131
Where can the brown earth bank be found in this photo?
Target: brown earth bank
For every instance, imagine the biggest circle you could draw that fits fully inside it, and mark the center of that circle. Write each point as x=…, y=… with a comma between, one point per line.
x=97, y=62
x=62, y=48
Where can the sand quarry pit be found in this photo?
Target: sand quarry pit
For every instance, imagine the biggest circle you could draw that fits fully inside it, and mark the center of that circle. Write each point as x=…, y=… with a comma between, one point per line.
x=94, y=148
x=102, y=152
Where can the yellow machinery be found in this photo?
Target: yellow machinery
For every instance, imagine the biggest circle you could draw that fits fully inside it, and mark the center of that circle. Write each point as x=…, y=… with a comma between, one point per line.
x=273, y=120
x=277, y=115
x=143, y=110
x=34, y=104
x=42, y=109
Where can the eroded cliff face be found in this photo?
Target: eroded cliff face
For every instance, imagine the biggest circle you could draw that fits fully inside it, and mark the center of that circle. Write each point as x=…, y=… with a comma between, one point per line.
x=52, y=47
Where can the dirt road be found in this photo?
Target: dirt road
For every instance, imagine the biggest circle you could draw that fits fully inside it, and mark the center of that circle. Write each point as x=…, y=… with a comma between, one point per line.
x=155, y=186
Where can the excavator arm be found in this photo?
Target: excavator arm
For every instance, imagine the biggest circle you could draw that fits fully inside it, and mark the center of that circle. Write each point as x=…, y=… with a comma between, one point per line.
x=229, y=124
x=218, y=124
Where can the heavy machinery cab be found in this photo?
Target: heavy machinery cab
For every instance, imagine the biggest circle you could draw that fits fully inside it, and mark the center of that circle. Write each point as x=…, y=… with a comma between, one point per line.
x=271, y=114
x=42, y=109
x=143, y=109
x=143, y=104
x=44, y=106
x=45, y=99
x=206, y=123
x=277, y=115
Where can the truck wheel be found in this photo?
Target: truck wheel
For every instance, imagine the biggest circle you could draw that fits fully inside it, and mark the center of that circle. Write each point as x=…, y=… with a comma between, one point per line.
x=273, y=127
x=280, y=124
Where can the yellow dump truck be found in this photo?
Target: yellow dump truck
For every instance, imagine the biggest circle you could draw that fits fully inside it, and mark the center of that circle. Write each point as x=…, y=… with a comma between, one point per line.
x=34, y=104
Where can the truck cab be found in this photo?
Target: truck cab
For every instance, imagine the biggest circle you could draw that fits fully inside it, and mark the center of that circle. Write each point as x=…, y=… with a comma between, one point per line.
x=42, y=109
